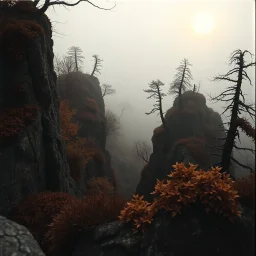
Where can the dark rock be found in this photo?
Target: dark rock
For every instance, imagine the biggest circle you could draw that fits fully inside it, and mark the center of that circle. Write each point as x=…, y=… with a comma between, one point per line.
x=33, y=160
x=193, y=232
x=195, y=121
x=17, y=240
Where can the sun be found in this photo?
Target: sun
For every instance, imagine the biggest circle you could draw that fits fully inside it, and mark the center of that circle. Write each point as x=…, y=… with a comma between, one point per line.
x=203, y=23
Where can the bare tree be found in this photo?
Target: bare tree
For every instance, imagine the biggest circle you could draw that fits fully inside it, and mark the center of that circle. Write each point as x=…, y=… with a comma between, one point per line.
x=107, y=90
x=233, y=96
x=75, y=54
x=64, y=65
x=97, y=65
x=155, y=92
x=142, y=150
x=181, y=80
x=48, y=3
x=112, y=123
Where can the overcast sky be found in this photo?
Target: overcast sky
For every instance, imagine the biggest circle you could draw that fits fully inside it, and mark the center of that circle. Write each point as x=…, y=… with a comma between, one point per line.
x=144, y=40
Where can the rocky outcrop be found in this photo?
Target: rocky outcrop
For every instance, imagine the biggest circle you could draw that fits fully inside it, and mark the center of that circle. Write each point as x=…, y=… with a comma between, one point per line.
x=32, y=156
x=84, y=95
x=17, y=240
x=196, y=233
x=191, y=138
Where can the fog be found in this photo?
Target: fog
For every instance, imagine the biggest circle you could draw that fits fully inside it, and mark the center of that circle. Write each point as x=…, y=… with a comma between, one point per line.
x=144, y=40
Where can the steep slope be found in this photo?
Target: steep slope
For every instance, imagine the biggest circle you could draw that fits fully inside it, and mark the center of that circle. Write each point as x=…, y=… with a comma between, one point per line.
x=83, y=92
x=32, y=156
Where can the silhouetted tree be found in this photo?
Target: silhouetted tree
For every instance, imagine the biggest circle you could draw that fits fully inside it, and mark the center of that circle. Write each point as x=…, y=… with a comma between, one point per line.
x=181, y=80
x=75, y=54
x=112, y=123
x=64, y=65
x=155, y=92
x=142, y=150
x=233, y=96
x=48, y=3
x=107, y=89
x=97, y=65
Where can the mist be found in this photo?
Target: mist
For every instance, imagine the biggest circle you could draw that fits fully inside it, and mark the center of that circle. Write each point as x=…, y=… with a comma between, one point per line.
x=140, y=41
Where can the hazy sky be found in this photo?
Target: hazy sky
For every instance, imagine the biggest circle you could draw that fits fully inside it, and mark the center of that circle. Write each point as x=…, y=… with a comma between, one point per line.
x=144, y=40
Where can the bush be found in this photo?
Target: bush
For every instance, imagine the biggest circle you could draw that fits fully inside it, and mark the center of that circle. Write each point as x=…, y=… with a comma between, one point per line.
x=185, y=187
x=37, y=212
x=97, y=185
x=14, y=120
x=246, y=190
x=81, y=216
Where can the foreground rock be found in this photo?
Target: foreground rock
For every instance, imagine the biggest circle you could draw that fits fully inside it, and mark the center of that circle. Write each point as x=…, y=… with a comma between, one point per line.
x=191, y=234
x=17, y=240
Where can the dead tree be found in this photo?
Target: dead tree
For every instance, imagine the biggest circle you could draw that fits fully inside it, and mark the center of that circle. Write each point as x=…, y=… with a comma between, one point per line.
x=107, y=89
x=75, y=55
x=48, y=3
x=64, y=65
x=155, y=92
x=97, y=65
x=181, y=80
x=142, y=150
x=236, y=105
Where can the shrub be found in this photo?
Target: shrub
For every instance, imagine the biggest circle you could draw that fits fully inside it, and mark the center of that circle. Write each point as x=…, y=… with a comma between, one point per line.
x=185, y=187
x=80, y=216
x=97, y=185
x=137, y=211
x=197, y=149
x=92, y=105
x=37, y=212
x=246, y=190
x=14, y=120
x=68, y=128
x=16, y=34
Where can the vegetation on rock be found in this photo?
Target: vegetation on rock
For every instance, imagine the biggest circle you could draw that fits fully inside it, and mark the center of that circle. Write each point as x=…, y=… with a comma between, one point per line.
x=184, y=188
x=14, y=120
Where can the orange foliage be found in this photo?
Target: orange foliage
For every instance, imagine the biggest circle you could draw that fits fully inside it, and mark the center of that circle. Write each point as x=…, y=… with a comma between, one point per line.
x=15, y=35
x=137, y=211
x=159, y=130
x=197, y=149
x=186, y=186
x=92, y=105
x=246, y=189
x=246, y=127
x=99, y=185
x=80, y=216
x=14, y=120
x=68, y=128
x=37, y=212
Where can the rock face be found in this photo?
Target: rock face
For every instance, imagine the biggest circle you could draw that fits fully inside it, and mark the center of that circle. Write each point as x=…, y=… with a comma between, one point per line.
x=17, y=240
x=84, y=95
x=32, y=156
x=191, y=130
x=193, y=234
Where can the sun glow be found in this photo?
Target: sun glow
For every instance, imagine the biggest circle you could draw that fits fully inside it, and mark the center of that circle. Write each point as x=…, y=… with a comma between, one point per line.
x=203, y=23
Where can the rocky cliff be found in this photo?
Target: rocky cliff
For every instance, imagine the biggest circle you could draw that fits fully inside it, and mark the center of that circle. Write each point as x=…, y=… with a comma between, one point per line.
x=32, y=156
x=192, y=137
x=83, y=92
